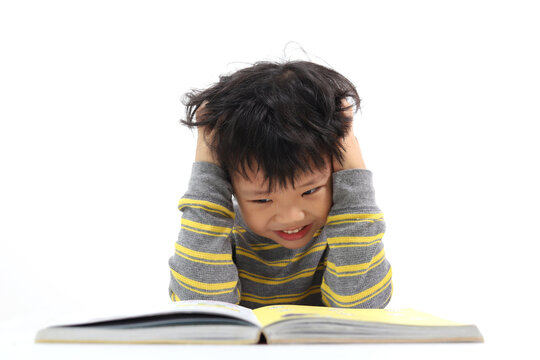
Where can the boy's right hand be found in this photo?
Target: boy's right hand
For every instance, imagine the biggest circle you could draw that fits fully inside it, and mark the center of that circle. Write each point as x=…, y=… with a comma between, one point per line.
x=352, y=155
x=204, y=137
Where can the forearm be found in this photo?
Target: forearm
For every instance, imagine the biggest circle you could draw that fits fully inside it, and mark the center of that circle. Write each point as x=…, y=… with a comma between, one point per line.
x=357, y=273
x=202, y=267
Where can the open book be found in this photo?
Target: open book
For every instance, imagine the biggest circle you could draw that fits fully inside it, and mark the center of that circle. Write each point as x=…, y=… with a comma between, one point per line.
x=212, y=322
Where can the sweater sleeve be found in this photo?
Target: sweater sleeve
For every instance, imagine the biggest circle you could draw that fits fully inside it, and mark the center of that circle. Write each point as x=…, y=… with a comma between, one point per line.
x=202, y=266
x=357, y=273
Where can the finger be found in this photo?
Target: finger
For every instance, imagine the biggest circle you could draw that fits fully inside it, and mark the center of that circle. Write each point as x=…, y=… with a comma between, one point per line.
x=201, y=112
x=348, y=109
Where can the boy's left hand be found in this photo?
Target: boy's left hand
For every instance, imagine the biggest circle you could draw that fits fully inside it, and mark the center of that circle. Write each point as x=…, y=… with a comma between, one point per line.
x=204, y=137
x=352, y=155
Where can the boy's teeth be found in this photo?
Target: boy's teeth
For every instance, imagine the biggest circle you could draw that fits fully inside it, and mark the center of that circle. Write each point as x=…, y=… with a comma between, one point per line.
x=293, y=231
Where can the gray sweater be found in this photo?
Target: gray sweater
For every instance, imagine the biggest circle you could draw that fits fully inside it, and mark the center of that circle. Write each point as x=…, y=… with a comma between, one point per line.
x=217, y=257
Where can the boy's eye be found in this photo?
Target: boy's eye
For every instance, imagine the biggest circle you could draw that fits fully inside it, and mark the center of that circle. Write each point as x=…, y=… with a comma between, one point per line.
x=309, y=192
x=261, y=201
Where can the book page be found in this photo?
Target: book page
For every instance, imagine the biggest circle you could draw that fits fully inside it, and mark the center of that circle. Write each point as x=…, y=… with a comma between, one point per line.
x=179, y=307
x=215, y=307
x=271, y=314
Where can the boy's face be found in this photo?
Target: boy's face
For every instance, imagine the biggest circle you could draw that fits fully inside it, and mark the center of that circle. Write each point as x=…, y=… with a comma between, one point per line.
x=289, y=216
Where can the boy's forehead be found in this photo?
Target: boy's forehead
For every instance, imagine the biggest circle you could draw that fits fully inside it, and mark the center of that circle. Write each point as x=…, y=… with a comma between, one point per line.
x=257, y=182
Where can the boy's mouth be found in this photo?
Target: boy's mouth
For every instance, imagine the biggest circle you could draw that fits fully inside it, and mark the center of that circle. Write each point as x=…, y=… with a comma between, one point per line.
x=294, y=234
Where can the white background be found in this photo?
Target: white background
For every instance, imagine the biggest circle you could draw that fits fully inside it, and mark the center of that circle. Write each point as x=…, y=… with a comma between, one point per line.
x=94, y=159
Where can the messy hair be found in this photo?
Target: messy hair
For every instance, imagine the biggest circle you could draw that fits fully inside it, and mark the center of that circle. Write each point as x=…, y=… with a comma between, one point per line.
x=284, y=119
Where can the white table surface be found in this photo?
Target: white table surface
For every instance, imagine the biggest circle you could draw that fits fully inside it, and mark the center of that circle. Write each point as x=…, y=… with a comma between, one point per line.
x=29, y=350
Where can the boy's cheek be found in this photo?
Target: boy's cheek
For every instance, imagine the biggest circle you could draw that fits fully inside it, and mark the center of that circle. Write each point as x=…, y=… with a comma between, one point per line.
x=251, y=216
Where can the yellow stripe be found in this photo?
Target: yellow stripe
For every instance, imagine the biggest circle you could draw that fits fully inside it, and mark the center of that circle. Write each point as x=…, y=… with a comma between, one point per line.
x=207, y=288
x=356, y=273
x=356, y=269
x=354, y=217
x=359, y=240
x=206, y=205
x=258, y=247
x=355, y=299
x=275, y=281
x=325, y=301
x=204, y=292
x=391, y=293
x=201, y=226
x=203, y=255
x=350, y=221
x=239, y=233
x=249, y=254
x=356, y=245
x=204, y=232
x=205, y=209
x=239, y=229
x=204, y=262
x=360, y=301
x=280, y=263
x=280, y=299
x=378, y=292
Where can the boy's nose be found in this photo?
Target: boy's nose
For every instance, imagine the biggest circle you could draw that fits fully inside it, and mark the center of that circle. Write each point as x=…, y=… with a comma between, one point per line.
x=290, y=215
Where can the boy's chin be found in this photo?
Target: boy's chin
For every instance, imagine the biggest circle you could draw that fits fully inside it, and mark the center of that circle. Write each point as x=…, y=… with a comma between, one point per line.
x=294, y=244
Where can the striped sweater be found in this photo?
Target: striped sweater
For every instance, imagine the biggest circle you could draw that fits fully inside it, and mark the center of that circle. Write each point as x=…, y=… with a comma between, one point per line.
x=217, y=257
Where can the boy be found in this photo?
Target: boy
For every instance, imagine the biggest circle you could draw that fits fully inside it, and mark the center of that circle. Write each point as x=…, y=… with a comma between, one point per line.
x=303, y=227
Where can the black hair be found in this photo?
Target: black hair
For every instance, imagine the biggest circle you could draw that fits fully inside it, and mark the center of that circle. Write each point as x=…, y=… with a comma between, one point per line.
x=284, y=119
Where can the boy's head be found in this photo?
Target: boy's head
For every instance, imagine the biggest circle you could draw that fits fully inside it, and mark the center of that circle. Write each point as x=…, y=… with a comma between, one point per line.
x=275, y=128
